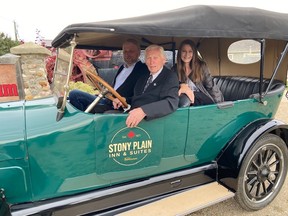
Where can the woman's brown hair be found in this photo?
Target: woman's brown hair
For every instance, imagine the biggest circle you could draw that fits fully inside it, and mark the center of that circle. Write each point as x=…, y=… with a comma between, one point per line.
x=196, y=64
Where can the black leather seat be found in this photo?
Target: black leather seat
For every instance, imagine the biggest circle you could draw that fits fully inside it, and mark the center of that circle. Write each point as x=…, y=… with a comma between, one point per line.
x=238, y=88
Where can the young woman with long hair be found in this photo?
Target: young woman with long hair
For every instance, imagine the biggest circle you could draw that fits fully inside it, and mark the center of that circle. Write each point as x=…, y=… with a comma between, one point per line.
x=194, y=76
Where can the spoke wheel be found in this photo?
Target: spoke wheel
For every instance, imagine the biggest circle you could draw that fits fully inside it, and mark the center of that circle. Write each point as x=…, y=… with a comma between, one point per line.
x=262, y=173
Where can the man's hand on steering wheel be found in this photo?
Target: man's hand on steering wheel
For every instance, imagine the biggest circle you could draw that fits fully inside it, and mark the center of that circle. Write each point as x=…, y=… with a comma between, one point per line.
x=117, y=103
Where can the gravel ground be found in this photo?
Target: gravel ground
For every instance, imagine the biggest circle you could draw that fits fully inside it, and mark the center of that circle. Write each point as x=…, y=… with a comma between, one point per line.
x=277, y=207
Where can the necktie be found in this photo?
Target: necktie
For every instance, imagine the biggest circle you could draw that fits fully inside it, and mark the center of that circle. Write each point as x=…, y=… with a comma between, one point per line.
x=149, y=81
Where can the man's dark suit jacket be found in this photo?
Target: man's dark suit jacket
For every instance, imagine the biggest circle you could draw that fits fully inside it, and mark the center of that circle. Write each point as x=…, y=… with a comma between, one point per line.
x=127, y=87
x=161, y=96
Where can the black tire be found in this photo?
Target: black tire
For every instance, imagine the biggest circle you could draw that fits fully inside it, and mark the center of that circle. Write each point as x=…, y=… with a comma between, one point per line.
x=262, y=173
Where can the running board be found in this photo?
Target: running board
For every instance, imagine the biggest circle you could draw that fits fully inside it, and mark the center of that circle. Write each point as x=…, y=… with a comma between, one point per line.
x=184, y=203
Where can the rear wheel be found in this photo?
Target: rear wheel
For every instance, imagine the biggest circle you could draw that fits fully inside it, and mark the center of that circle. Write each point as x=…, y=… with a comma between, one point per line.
x=262, y=173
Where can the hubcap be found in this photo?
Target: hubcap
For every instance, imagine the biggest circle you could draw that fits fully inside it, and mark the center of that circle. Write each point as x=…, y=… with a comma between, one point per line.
x=263, y=173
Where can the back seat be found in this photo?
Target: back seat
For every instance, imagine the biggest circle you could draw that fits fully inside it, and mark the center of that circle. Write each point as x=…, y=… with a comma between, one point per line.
x=238, y=88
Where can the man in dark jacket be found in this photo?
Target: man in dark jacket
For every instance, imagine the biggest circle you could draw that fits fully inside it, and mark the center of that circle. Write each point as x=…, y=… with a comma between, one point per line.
x=155, y=94
x=124, y=81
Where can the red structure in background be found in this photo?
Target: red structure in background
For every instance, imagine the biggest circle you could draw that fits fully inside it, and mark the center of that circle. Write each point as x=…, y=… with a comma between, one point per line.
x=81, y=63
x=100, y=55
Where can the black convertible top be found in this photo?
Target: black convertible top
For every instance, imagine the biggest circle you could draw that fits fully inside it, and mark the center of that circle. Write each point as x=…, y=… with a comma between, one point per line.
x=193, y=21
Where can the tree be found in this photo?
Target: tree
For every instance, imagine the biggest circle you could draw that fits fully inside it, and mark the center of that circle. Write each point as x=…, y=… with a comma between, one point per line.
x=6, y=43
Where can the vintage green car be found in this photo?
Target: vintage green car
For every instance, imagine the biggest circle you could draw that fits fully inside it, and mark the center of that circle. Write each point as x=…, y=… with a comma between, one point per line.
x=57, y=160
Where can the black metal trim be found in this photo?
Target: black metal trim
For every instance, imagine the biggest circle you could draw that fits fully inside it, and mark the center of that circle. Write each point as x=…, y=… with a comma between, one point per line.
x=262, y=62
x=230, y=159
x=283, y=54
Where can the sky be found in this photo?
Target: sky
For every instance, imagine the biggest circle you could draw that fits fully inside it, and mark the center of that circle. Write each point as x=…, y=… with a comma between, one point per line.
x=49, y=17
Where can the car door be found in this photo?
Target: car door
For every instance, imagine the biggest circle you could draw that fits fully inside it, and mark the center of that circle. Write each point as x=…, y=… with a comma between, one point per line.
x=153, y=147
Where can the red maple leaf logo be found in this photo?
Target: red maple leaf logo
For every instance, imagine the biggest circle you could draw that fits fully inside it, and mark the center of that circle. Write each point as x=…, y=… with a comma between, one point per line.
x=131, y=134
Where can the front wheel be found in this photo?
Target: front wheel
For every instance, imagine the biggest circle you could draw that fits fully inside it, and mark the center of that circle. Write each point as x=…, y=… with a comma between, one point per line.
x=262, y=173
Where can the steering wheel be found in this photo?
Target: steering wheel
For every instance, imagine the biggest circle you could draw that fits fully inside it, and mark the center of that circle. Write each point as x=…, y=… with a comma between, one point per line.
x=105, y=90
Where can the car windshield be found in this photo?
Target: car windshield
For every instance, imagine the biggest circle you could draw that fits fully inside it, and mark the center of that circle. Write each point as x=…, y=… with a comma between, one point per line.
x=59, y=78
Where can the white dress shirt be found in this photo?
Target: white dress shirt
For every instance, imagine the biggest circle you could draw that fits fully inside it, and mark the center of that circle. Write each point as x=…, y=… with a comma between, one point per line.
x=122, y=76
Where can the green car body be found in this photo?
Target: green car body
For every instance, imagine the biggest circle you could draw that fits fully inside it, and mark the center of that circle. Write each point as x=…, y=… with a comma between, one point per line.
x=85, y=151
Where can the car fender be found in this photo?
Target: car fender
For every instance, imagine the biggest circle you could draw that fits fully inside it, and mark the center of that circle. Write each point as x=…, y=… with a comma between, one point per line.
x=230, y=159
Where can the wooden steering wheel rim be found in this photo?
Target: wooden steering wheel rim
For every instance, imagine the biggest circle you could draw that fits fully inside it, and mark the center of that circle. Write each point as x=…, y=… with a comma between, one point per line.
x=96, y=79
